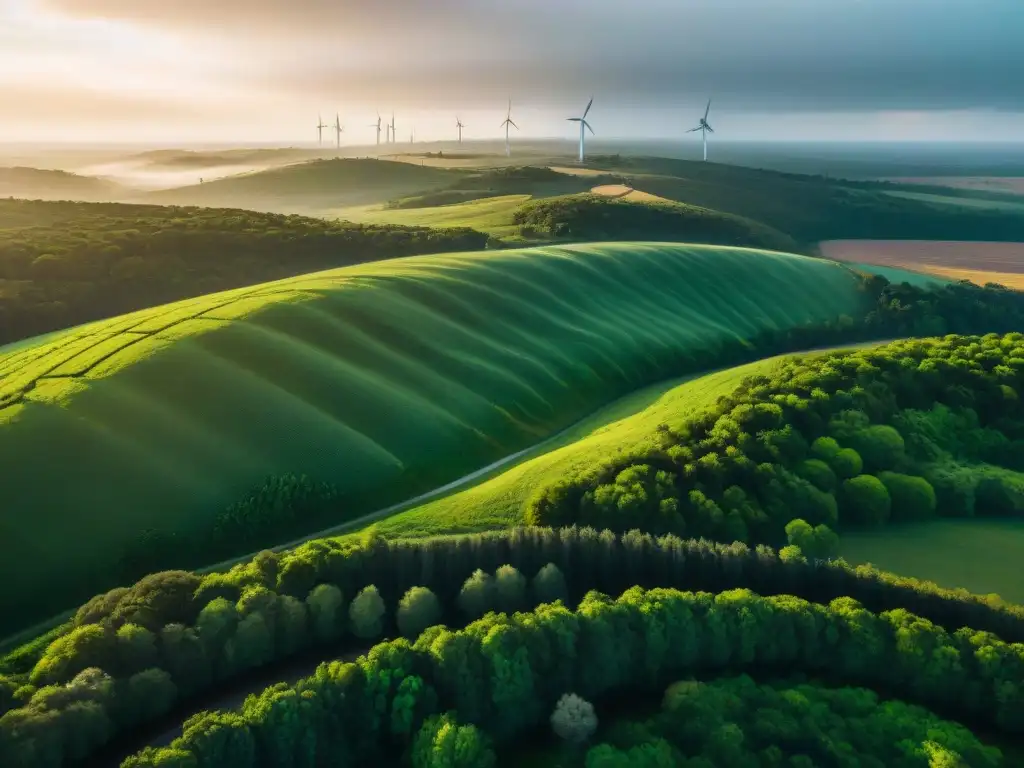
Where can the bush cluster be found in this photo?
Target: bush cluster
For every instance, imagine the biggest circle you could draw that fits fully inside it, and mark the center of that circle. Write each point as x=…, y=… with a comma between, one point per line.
x=503, y=675
x=76, y=262
x=194, y=633
x=735, y=721
x=855, y=438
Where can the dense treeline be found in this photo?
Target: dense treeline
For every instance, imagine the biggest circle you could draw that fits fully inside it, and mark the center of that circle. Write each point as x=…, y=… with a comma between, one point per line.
x=899, y=432
x=595, y=217
x=736, y=722
x=501, y=676
x=195, y=633
x=64, y=263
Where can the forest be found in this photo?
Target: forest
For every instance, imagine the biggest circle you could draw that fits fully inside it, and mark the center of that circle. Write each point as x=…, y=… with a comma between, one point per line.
x=66, y=263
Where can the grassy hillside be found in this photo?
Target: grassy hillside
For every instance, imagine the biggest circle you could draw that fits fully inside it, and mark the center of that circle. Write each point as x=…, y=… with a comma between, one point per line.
x=595, y=217
x=493, y=215
x=623, y=426
x=384, y=379
x=313, y=187
x=41, y=184
x=62, y=264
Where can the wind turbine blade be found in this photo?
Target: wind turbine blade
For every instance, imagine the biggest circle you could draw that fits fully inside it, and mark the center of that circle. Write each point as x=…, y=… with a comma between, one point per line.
x=694, y=129
x=710, y=129
x=589, y=105
x=708, y=109
x=514, y=125
x=574, y=119
x=588, y=127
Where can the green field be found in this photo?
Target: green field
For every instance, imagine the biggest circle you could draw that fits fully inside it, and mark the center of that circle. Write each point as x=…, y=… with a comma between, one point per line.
x=493, y=215
x=620, y=427
x=981, y=556
x=387, y=379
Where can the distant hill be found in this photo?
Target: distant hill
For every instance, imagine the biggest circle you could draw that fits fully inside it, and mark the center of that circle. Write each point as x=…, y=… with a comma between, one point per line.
x=187, y=158
x=64, y=263
x=813, y=208
x=538, y=181
x=45, y=184
x=312, y=187
x=599, y=218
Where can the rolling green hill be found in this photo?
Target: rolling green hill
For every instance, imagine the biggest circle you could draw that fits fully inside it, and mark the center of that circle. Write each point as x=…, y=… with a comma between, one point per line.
x=313, y=187
x=385, y=379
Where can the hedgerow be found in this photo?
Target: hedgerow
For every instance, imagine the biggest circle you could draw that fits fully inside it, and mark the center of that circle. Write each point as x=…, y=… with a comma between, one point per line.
x=503, y=675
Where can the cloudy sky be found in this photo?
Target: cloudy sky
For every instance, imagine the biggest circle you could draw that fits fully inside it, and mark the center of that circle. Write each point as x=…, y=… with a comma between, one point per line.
x=260, y=70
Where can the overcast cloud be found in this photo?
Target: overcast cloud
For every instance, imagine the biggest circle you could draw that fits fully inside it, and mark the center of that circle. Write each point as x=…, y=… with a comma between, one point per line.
x=759, y=56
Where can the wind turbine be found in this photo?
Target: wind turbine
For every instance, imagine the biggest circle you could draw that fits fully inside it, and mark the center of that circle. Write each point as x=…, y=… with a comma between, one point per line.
x=460, y=126
x=338, y=129
x=583, y=124
x=704, y=129
x=377, y=126
x=320, y=125
x=394, y=136
x=387, y=133
x=506, y=124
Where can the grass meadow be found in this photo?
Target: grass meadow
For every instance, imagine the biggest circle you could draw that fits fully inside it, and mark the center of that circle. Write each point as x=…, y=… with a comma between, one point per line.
x=982, y=556
x=493, y=215
x=388, y=379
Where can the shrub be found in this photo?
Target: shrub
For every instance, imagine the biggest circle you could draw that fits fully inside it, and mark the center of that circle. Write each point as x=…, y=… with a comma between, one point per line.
x=549, y=585
x=825, y=449
x=865, y=501
x=574, y=719
x=509, y=589
x=418, y=609
x=326, y=611
x=814, y=542
x=442, y=743
x=913, y=498
x=880, y=446
x=818, y=473
x=366, y=614
x=847, y=463
x=477, y=595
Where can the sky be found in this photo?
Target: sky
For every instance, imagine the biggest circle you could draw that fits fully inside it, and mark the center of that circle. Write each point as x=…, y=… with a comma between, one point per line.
x=166, y=71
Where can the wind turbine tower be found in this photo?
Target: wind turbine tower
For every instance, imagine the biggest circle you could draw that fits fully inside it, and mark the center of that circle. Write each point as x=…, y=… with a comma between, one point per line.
x=320, y=125
x=583, y=124
x=460, y=126
x=704, y=129
x=377, y=126
x=508, y=122
x=338, y=129
x=394, y=136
